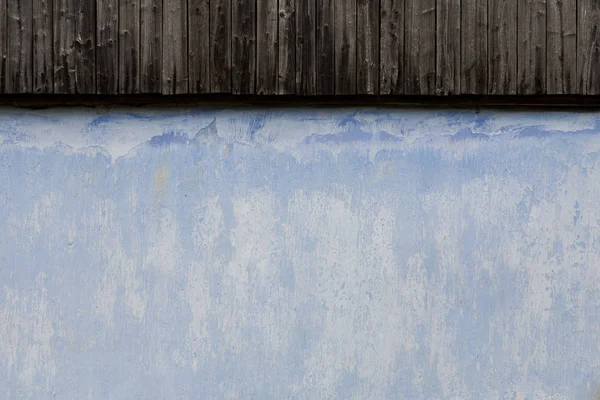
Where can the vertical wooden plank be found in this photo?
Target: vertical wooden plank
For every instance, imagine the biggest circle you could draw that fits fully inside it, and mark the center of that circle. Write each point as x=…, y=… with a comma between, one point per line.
x=447, y=62
x=267, y=47
x=20, y=50
x=474, y=59
x=199, y=45
x=174, y=57
x=588, y=47
x=306, y=66
x=420, y=47
x=325, y=47
x=531, y=56
x=561, y=42
x=220, y=46
x=151, y=12
x=107, y=49
x=42, y=46
x=367, y=47
x=287, y=47
x=243, y=50
x=74, y=46
x=502, y=69
x=129, y=45
x=85, y=39
x=63, y=54
x=392, y=69
x=345, y=47
x=3, y=45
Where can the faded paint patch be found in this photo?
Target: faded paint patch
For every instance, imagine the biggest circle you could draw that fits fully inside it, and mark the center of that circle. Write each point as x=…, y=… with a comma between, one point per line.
x=350, y=253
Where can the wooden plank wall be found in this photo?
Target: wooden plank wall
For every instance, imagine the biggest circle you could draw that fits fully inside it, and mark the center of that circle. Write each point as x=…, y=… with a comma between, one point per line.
x=300, y=47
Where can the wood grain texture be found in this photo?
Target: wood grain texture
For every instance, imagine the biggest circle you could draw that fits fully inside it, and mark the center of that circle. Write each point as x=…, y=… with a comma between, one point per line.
x=199, y=45
x=588, y=47
x=64, y=78
x=345, y=47
x=267, y=47
x=243, y=51
x=367, y=47
x=85, y=45
x=107, y=48
x=420, y=47
x=306, y=66
x=561, y=42
x=151, y=12
x=531, y=51
x=3, y=44
x=325, y=47
x=286, y=77
x=302, y=47
x=474, y=59
x=74, y=46
x=220, y=49
x=175, y=50
x=150, y=46
x=447, y=62
x=502, y=51
x=42, y=74
x=19, y=67
x=129, y=46
x=391, y=47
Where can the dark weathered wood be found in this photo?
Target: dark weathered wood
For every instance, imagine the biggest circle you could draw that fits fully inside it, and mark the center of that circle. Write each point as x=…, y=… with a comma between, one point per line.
x=420, y=47
x=85, y=38
x=85, y=58
x=345, y=46
x=220, y=48
x=129, y=45
x=107, y=49
x=502, y=51
x=199, y=45
x=304, y=47
x=391, y=47
x=63, y=54
x=243, y=51
x=19, y=68
x=43, y=77
x=150, y=46
x=561, y=42
x=267, y=47
x=306, y=67
x=325, y=47
x=531, y=53
x=367, y=47
x=3, y=45
x=588, y=47
x=74, y=46
x=447, y=62
x=287, y=47
x=474, y=59
x=175, y=50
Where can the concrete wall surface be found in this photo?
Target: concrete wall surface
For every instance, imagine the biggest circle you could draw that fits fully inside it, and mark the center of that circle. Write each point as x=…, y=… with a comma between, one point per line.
x=247, y=253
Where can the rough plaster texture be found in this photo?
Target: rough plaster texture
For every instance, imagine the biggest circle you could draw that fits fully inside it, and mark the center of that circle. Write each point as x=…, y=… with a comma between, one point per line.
x=304, y=254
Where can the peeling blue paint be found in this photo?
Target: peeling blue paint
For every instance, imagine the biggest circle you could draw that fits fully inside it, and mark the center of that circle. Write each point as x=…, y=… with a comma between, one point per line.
x=169, y=138
x=340, y=253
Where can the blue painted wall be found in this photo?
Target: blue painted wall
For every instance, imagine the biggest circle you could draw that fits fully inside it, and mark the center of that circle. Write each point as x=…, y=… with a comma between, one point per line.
x=306, y=254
